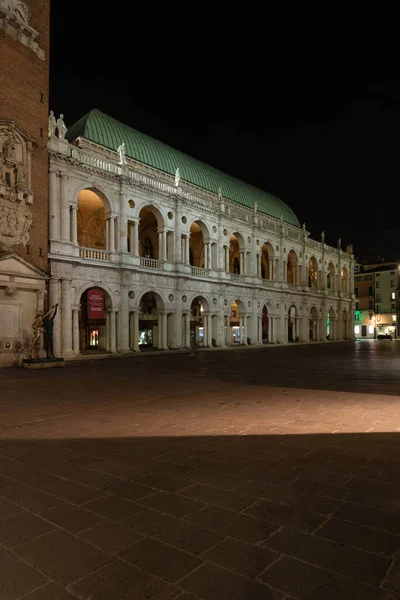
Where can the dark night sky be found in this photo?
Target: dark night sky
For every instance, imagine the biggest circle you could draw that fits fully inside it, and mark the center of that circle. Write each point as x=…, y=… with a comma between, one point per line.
x=319, y=129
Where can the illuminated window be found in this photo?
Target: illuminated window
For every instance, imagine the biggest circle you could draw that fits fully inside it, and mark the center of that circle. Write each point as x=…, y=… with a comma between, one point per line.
x=393, y=295
x=357, y=329
x=371, y=329
x=393, y=317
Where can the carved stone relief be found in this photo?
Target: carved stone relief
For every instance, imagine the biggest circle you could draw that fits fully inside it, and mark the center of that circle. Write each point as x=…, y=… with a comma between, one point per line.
x=15, y=193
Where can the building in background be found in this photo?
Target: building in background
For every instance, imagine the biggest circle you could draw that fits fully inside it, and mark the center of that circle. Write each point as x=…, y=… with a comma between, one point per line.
x=151, y=247
x=376, y=291
x=24, y=76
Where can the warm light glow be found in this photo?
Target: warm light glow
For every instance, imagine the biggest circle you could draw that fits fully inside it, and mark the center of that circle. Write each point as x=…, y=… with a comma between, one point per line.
x=393, y=295
x=393, y=317
x=371, y=329
x=356, y=329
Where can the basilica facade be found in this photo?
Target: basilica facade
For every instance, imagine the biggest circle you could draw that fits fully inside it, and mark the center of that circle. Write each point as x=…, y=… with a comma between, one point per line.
x=150, y=248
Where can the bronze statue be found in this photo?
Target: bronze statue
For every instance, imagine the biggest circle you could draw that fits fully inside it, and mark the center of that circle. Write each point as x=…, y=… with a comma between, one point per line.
x=43, y=323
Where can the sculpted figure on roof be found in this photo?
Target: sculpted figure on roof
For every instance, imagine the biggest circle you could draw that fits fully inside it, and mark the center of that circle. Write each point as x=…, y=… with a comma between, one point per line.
x=18, y=7
x=61, y=127
x=177, y=177
x=121, y=152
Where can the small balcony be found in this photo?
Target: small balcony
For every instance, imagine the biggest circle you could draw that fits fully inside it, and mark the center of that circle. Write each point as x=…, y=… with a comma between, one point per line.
x=94, y=254
x=151, y=263
x=200, y=272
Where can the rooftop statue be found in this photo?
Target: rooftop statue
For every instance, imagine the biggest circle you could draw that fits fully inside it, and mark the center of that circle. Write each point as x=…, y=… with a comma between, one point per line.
x=62, y=130
x=121, y=152
x=52, y=125
x=177, y=177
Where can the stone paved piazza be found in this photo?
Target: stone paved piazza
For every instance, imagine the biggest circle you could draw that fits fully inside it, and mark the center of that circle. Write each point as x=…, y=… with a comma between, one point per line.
x=257, y=474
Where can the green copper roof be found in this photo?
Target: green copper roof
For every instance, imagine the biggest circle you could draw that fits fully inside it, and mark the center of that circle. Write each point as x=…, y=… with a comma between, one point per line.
x=98, y=127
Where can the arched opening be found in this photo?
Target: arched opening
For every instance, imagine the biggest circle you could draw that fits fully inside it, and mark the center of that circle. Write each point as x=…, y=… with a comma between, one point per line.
x=345, y=325
x=344, y=280
x=199, y=323
x=313, y=325
x=236, y=254
x=265, y=325
x=313, y=273
x=235, y=325
x=97, y=332
x=149, y=238
x=330, y=277
x=196, y=245
x=293, y=325
x=267, y=262
x=152, y=322
x=292, y=268
x=91, y=219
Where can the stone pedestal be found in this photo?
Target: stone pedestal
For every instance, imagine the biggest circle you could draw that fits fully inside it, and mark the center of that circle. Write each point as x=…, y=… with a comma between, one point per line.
x=43, y=363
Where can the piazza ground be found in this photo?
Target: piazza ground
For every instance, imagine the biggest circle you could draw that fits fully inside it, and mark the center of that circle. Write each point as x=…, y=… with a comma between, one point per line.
x=257, y=474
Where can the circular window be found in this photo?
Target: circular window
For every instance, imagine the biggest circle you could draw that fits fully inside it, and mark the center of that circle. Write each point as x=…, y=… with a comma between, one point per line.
x=215, y=301
x=171, y=297
x=170, y=216
x=226, y=302
x=184, y=220
x=131, y=294
x=225, y=232
x=249, y=304
x=131, y=204
x=184, y=298
x=248, y=239
x=214, y=229
x=258, y=242
x=277, y=248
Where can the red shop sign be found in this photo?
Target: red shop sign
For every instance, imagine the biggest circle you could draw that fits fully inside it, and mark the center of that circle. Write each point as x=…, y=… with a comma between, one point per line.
x=95, y=304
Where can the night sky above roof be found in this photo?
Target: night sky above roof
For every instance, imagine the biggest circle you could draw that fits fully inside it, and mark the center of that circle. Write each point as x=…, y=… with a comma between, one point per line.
x=319, y=130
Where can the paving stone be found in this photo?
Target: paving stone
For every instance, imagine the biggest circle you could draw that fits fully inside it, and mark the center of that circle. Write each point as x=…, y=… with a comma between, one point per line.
x=323, y=505
x=392, y=579
x=123, y=581
x=116, y=469
x=29, y=476
x=74, y=492
x=274, y=493
x=285, y=515
x=50, y=592
x=308, y=582
x=130, y=490
x=171, y=504
x=163, y=482
x=21, y=527
x=210, y=582
x=16, y=577
x=62, y=557
x=221, y=480
x=109, y=536
x=70, y=517
x=113, y=507
x=316, y=488
x=358, y=536
x=371, y=517
x=246, y=559
x=212, y=495
x=181, y=534
x=160, y=560
x=237, y=525
x=375, y=499
x=367, y=567
x=26, y=497
x=8, y=508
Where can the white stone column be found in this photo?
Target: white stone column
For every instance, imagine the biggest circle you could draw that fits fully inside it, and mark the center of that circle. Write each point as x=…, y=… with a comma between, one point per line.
x=285, y=270
x=226, y=255
x=228, y=330
x=66, y=317
x=205, y=246
x=75, y=331
x=164, y=245
x=123, y=320
x=54, y=298
x=112, y=331
x=111, y=234
x=176, y=330
x=274, y=328
x=65, y=217
x=107, y=234
x=135, y=228
x=123, y=223
x=74, y=224
x=271, y=269
x=242, y=262
x=245, y=330
x=259, y=330
x=134, y=331
x=187, y=330
x=54, y=206
x=164, y=331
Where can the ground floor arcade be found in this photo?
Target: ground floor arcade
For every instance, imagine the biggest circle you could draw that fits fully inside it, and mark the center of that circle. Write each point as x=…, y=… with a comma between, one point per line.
x=110, y=317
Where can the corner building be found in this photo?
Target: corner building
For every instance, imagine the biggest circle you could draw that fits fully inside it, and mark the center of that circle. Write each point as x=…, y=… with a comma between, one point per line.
x=152, y=248
x=24, y=76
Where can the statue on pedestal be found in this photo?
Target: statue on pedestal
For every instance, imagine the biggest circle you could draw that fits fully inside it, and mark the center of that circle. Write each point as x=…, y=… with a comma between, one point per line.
x=121, y=152
x=323, y=237
x=177, y=177
x=62, y=129
x=52, y=125
x=43, y=323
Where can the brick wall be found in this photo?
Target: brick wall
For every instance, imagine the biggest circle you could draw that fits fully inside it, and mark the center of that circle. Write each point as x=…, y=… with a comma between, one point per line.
x=23, y=78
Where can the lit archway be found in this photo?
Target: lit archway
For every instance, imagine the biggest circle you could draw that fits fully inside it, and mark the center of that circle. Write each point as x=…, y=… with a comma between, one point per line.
x=293, y=325
x=199, y=322
x=292, y=268
x=236, y=326
x=91, y=220
x=330, y=277
x=198, y=250
x=236, y=254
x=331, y=325
x=150, y=240
x=96, y=322
x=313, y=321
x=267, y=261
x=313, y=273
x=152, y=330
